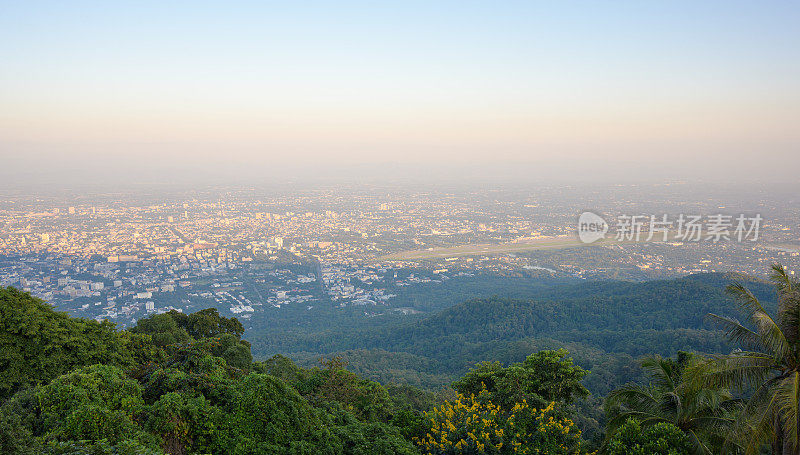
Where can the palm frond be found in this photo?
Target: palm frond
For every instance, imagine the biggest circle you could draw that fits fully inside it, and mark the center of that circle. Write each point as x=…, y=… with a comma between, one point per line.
x=747, y=299
x=760, y=427
x=699, y=446
x=771, y=335
x=787, y=398
x=781, y=279
x=736, y=333
x=773, y=410
x=635, y=397
x=788, y=303
x=750, y=425
x=664, y=373
x=671, y=405
x=711, y=422
x=738, y=371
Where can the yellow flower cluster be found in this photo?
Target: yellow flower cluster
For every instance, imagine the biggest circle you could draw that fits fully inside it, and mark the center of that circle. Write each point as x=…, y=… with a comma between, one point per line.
x=466, y=425
x=476, y=425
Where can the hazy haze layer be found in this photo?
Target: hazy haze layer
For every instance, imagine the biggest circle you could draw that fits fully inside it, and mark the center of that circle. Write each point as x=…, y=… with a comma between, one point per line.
x=146, y=91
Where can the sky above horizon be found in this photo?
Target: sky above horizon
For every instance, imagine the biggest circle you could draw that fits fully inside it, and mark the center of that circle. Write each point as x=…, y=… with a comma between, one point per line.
x=146, y=90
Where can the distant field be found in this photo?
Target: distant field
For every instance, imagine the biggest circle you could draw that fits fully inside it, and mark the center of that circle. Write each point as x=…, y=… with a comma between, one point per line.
x=550, y=243
x=490, y=248
x=785, y=247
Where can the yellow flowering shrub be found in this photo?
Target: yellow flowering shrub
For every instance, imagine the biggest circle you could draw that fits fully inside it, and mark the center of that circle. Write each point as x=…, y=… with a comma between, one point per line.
x=475, y=425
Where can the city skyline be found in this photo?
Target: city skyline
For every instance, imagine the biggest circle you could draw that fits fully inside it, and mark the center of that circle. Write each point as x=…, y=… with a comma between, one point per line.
x=261, y=252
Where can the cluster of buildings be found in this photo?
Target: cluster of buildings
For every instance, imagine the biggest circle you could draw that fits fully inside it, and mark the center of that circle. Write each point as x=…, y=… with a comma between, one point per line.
x=245, y=251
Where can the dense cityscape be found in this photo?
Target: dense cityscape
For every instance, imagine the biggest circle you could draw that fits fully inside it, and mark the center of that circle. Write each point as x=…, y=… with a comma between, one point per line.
x=246, y=250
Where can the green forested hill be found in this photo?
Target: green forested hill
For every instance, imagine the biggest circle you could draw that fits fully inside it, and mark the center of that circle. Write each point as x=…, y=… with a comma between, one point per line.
x=186, y=384
x=605, y=325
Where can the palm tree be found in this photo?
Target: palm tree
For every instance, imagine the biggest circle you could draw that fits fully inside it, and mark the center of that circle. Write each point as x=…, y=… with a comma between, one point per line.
x=702, y=413
x=769, y=366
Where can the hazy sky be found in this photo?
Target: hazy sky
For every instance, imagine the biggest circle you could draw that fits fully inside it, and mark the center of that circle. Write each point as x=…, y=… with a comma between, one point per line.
x=142, y=90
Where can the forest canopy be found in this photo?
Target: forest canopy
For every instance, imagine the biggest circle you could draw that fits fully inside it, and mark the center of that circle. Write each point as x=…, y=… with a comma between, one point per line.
x=187, y=384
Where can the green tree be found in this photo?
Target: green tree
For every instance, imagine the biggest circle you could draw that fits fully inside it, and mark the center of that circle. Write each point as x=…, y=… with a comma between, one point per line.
x=206, y=323
x=163, y=329
x=267, y=416
x=544, y=377
x=95, y=403
x=704, y=414
x=185, y=423
x=659, y=439
x=193, y=373
x=38, y=344
x=769, y=366
x=367, y=399
x=16, y=434
x=364, y=438
x=279, y=366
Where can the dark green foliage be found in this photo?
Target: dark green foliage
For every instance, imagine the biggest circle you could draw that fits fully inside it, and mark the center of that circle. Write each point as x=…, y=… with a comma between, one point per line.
x=410, y=404
x=206, y=375
x=16, y=435
x=229, y=347
x=186, y=383
x=408, y=397
x=101, y=447
x=393, y=367
x=38, y=344
x=484, y=375
x=279, y=366
x=183, y=421
x=658, y=439
x=368, y=400
x=267, y=416
x=365, y=438
x=186, y=390
x=174, y=326
x=335, y=389
x=705, y=414
x=542, y=378
x=93, y=403
x=606, y=326
x=163, y=329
